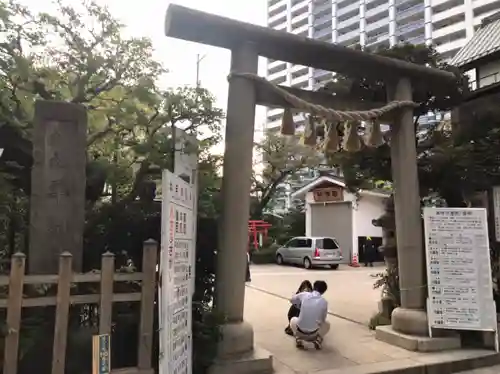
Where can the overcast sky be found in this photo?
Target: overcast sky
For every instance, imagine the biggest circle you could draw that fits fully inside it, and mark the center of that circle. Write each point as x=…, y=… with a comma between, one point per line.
x=146, y=18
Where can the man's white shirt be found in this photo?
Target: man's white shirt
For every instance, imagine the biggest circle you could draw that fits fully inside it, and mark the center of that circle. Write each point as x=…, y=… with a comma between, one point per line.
x=313, y=310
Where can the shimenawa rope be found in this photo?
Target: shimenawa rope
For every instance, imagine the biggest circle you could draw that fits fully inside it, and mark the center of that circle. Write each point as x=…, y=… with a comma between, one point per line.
x=330, y=114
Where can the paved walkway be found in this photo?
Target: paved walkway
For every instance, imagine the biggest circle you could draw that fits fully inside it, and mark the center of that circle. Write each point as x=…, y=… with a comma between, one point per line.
x=350, y=348
x=350, y=290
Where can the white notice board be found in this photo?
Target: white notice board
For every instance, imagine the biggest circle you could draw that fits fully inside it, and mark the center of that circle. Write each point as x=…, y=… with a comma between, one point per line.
x=459, y=270
x=177, y=252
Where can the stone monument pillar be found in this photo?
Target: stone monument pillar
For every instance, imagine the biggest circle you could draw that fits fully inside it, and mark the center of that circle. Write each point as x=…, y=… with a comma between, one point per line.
x=236, y=352
x=57, y=185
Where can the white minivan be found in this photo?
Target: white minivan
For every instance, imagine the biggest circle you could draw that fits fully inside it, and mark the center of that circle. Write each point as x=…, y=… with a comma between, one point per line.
x=310, y=251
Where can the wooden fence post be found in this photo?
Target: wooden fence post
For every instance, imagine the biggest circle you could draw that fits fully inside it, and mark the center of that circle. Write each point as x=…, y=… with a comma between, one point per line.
x=106, y=302
x=62, y=313
x=149, y=256
x=14, y=308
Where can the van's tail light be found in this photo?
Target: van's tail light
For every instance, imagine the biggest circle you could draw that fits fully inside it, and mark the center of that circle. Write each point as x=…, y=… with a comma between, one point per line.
x=316, y=252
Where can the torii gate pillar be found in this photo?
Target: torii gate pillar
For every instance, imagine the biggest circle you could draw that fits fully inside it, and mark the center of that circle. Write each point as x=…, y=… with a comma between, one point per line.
x=409, y=322
x=236, y=353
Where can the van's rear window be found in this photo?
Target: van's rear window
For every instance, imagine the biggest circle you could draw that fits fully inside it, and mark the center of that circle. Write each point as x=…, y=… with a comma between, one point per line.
x=327, y=243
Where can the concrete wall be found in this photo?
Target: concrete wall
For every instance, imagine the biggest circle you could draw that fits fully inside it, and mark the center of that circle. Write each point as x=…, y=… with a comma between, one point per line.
x=368, y=208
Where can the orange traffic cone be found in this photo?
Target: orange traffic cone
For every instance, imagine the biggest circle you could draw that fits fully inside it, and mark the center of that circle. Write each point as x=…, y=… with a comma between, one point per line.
x=354, y=263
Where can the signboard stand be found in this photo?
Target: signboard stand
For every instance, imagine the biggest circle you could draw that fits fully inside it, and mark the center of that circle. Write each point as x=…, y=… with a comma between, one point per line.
x=179, y=193
x=459, y=271
x=176, y=273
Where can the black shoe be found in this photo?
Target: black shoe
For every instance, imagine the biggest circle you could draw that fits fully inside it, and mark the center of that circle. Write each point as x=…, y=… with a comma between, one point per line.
x=317, y=345
x=299, y=344
x=289, y=331
x=248, y=280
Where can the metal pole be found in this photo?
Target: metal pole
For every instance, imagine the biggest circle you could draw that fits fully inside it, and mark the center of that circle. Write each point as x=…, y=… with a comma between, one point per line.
x=199, y=59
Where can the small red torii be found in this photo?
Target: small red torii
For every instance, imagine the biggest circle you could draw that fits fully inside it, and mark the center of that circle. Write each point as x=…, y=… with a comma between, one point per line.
x=257, y=227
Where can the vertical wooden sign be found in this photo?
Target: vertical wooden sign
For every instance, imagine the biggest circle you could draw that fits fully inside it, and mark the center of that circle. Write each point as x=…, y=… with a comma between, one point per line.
x=101, y=354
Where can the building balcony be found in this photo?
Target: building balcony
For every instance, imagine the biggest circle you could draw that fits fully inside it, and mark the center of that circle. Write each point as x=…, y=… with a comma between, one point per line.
x=320, y=8
x=276, y=69
x=298, y=5
x=449, y=13
x=278, y=78
x=411, y=11
x=320, y=34
x=276, y=5
x=384, y=22
x=377, y=10
x=451, y=45
x=401, y=2
x=347, y=9
x=301, y=29
x=349, y=38
x=378, y=40
x=299, y=17
x=277, y=18
x=323, y=20
x=417, y=40
x=409, y=27
x=348, y=22
x=448, y=30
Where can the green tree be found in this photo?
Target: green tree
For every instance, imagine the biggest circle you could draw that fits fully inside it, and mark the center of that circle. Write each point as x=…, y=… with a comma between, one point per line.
x=451, y=165
x=87, y=60
x=79, y=54
x=282, y=158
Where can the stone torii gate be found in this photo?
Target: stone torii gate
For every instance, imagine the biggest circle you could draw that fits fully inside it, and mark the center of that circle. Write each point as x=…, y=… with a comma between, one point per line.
x=247, y=42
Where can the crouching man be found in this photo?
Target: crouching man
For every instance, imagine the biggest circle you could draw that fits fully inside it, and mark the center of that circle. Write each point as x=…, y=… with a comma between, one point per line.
x=311, y=324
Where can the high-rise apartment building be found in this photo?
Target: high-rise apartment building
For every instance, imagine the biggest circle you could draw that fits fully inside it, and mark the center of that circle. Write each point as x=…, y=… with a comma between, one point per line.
x=447, y=24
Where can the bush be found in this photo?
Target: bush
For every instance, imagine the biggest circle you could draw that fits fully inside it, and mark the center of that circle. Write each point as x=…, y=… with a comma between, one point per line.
x=266, y=255
x=206, y=321
x=378, y=320
x=389, y=282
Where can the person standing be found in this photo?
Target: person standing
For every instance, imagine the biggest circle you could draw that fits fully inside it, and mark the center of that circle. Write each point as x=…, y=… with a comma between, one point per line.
x=248, y=278
x=311, y=324
x=369, y=251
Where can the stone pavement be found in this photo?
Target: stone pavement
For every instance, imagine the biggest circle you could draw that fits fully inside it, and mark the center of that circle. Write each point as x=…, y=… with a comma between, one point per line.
x=350, y=290
x=349, y=348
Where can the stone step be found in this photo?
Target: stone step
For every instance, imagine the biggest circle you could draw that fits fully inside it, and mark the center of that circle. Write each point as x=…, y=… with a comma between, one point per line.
x=448, y=362
x=259, y=361
x=388, y=335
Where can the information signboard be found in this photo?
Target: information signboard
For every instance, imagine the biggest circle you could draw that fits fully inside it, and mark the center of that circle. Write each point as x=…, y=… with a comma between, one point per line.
x=459, y=270
x=186, y=167
x=176, y=274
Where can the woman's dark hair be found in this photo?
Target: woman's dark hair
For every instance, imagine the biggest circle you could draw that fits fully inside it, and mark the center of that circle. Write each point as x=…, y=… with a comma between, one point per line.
x=305, y=286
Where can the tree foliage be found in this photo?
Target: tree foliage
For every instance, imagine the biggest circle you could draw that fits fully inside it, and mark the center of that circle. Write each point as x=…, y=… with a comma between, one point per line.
x=282, y=158
x=452, y=165
x=80, y=54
